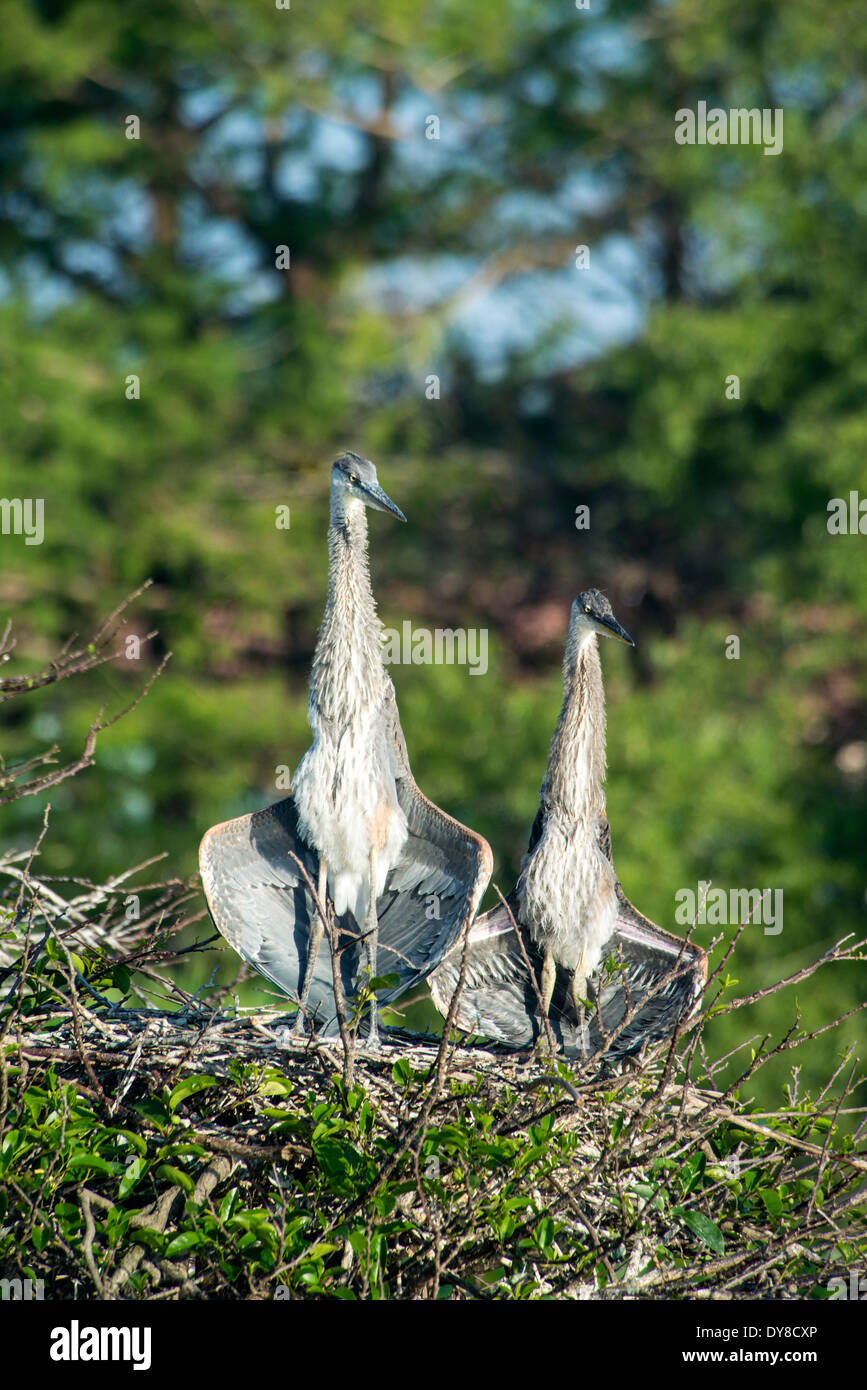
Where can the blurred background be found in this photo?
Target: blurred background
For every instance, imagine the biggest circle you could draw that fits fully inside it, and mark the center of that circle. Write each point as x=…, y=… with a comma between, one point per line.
x=410, y=257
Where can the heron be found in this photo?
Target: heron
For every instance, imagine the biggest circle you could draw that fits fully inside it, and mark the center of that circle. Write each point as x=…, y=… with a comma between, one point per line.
x=568, y=903
x=403, y=876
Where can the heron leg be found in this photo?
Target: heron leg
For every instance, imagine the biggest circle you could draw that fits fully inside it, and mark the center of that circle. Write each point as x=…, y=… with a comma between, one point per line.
x=548, y=980
x=372, y=928
x=314, y=941
x=578, y=990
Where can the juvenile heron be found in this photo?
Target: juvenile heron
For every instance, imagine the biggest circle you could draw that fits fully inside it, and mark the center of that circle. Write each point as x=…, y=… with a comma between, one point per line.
x=401, y=873
x=569, y=904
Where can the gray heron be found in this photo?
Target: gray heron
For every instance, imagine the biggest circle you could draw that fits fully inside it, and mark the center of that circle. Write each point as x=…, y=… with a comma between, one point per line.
x=569, y=905
x=403, y=876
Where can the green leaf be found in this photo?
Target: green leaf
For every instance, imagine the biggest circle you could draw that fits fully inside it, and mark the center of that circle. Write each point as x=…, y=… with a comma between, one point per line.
x=702, y=1227
x=649, y=1192
x=187, y=1240
x=152, y=1110
x=120, y=978
x=176, y=1175
x=82, y=1159
x=402, y=1072
x=188, y=1087
x=384, y=982
x=179, y=1150
x=545, y=1233
x=138, y=1143
x=275, y=1084
x=154, y=1240
x=133, y=1175
x=772, y=1200
x=228, y=1204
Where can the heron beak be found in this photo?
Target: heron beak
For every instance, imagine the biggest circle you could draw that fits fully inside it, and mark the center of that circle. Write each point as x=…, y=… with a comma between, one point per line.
x=610, y=627
x=380, y=501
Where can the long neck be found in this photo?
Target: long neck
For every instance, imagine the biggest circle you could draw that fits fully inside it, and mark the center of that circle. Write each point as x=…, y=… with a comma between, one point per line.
x=347, y=667
x=576, y=764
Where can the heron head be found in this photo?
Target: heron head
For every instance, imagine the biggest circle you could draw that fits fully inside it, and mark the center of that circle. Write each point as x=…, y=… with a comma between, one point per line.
x=592, y=613
x=354, y=478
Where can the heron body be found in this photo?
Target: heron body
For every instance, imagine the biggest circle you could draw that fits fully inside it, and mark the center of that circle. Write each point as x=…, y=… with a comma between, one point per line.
x=346, y=785
x=566, y=893
x=571, y=912
x=356, y=820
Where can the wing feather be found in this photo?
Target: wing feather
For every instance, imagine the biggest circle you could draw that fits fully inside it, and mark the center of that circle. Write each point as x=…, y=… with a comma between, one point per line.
x=259, y=902
x=659, y=979
x=432, y=891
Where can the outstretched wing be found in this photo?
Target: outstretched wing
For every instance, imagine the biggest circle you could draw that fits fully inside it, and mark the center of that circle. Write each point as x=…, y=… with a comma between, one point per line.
x=432, y=891
x=497, y=999
x=437, y=884
x=649, y=980
x=662, y=980
x=258, y=900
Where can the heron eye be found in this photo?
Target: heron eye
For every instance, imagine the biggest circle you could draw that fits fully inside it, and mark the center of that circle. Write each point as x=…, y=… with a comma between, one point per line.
x=352, y=478
x=586, y=609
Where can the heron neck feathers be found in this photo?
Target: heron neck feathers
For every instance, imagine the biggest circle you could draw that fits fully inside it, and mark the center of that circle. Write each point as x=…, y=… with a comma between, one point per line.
x=576, y=763
x=348, y=673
